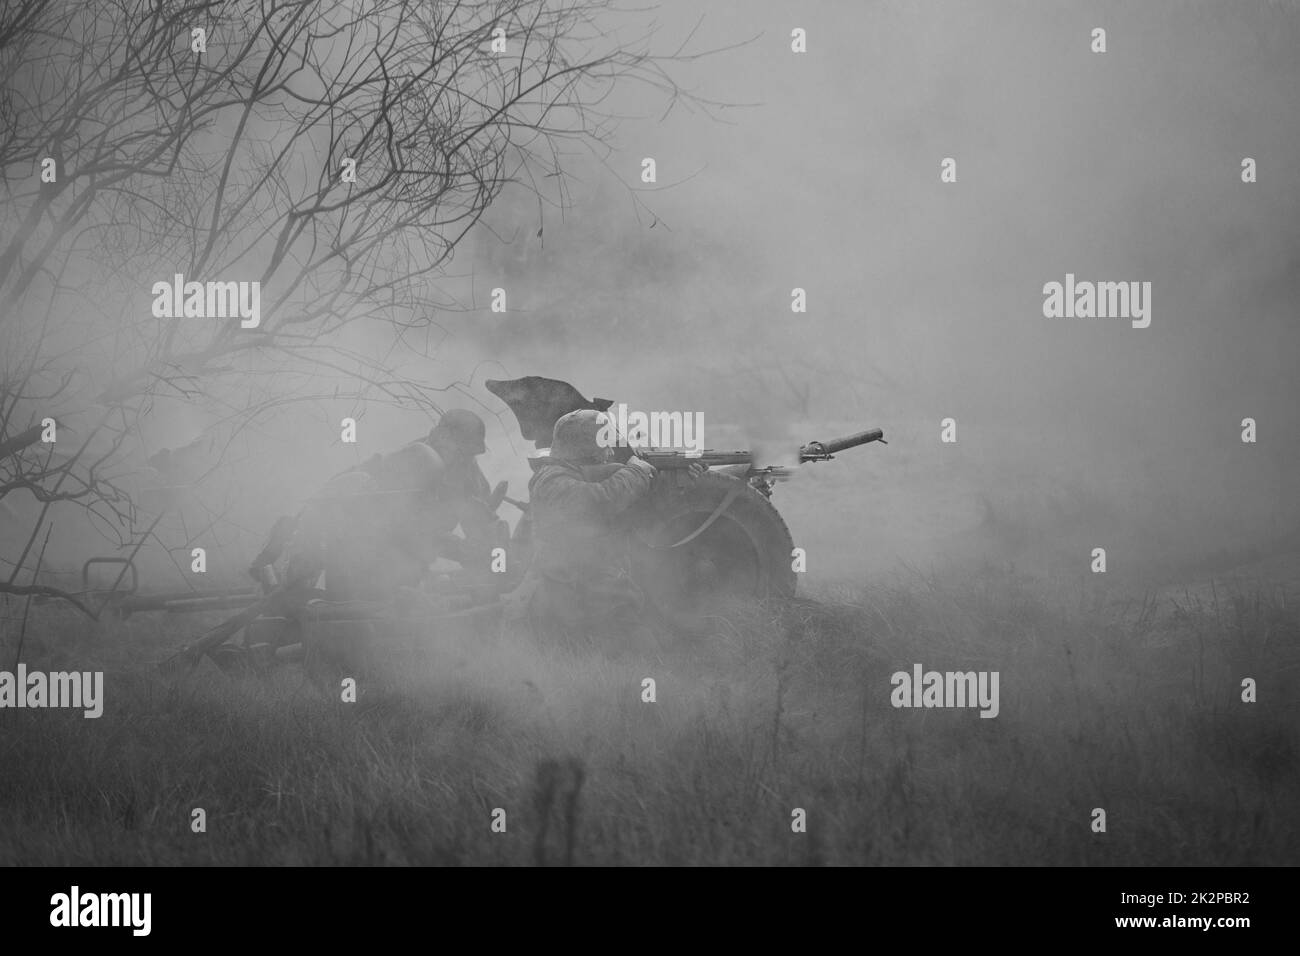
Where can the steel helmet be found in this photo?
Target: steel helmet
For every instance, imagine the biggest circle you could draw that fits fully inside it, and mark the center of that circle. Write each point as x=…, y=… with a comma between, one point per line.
x=461, y=428
x=576, y=436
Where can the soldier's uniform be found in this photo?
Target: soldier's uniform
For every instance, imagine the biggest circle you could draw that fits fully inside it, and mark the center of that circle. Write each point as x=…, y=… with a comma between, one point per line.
x=459, y=438
x=378, y=527
x=578, y=582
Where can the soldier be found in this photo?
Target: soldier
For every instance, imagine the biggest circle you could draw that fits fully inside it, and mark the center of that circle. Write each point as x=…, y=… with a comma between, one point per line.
x=372, y=530
x=459, y=438
x=379, y=526
x=579, y=583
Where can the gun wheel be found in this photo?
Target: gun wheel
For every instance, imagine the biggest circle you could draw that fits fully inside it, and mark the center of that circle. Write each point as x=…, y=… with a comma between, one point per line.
x=742, y=557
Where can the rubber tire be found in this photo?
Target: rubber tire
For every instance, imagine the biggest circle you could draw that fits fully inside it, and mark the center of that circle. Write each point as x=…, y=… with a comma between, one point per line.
x=743, y=557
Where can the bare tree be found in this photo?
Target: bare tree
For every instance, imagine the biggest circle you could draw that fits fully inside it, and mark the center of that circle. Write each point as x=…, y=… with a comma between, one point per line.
x=334, y=152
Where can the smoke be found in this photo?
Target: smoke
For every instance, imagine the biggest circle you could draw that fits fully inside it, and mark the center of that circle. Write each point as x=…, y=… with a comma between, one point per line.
x=924, y=298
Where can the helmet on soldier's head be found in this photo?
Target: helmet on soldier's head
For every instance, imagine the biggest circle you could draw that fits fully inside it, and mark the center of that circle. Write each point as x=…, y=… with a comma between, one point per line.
x=576, y=437
x=462, y=429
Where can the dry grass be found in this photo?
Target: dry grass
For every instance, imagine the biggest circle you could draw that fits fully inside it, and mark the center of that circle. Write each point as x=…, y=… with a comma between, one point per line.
x=1130, y=706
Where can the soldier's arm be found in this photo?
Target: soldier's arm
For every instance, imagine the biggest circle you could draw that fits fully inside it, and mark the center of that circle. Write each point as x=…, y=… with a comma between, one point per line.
x=609, y=497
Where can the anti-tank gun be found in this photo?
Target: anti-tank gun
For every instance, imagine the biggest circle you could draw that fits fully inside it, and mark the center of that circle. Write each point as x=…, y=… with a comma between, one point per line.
x=706, y=544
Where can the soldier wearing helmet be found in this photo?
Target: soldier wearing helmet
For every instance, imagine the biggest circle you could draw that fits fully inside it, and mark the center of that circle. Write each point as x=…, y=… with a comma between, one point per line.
x=459, y=438
x=574, y=502
x=579, y=583
x=378, y=527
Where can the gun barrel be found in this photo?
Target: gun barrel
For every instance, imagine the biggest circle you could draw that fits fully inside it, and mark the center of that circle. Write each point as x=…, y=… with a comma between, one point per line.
x=820, y=450
x=853, y=441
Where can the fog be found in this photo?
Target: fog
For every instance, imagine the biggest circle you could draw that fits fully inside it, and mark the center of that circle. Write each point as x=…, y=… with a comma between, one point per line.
x=403, y=726
x=924, y=299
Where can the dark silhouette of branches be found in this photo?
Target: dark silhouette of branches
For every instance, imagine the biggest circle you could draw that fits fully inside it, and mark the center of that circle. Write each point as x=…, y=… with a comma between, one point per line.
x=126, y=157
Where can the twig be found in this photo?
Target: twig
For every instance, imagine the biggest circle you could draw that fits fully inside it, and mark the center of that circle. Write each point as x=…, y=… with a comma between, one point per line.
x=27, y=606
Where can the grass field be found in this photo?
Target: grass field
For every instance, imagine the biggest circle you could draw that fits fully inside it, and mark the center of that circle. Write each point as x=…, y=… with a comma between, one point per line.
x=1128, y=704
